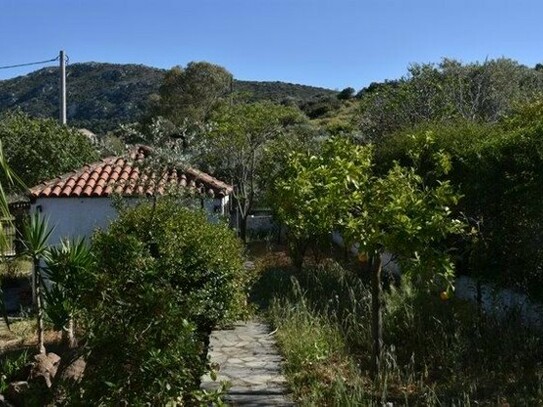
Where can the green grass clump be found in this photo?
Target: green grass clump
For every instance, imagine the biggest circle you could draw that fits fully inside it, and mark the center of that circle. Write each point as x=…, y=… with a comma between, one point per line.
x=317, y=365
x=10, y=366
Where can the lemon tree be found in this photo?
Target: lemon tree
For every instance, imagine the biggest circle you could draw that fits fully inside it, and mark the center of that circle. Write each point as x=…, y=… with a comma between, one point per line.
x=397, y=211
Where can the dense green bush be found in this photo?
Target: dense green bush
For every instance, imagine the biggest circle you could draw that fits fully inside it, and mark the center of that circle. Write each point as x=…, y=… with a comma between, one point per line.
x=11, y=364
x=41, y=149
x=498, y=168
x=164, y=278
x=201, y=259
x=320, y=106
x=477, y=92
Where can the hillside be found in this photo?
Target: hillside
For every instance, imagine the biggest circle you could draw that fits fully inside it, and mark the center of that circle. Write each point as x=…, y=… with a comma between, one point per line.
x=103, y=95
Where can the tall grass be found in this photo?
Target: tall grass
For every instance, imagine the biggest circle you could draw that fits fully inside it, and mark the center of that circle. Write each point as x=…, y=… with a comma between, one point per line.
x=437, y=353
x=317, y=362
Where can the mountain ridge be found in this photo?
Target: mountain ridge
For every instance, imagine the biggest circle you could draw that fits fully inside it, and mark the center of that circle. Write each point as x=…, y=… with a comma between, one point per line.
x=102, y=95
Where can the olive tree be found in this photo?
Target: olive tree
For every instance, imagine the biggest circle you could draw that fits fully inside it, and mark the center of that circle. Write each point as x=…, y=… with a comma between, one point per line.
x=235, y=146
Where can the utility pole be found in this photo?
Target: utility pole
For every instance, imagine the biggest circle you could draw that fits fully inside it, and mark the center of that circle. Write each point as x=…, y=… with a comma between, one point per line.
x=62, y=87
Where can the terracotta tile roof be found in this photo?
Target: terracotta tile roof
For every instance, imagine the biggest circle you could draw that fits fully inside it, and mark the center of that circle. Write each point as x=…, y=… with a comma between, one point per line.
x=119, y=175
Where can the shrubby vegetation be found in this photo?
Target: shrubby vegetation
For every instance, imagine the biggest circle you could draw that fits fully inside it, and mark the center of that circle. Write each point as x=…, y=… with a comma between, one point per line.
x=478, y=92
x=137, y=306
x=399, y=212
x=451, y=144
x=321, y=106
x=8, y=180
x=41, y=149
x=436, y=352
x=164, y=277
x=497, y=168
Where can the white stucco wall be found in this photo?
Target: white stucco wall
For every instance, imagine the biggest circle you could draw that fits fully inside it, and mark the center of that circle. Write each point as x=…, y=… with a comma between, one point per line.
x=260, y=224
x=500, y=301
x=80, y=217
x=75, y=217
x=387, y=259
x=496, y=301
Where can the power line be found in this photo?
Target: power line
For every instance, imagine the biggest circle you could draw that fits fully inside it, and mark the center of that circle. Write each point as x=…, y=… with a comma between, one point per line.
x=29, y=63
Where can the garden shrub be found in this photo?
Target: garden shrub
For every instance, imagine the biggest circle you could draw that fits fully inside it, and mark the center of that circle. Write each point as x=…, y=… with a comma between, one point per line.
x=41, y=149
x=164, y=278
x=202, y=260
x=11, y=363
x=498, y=168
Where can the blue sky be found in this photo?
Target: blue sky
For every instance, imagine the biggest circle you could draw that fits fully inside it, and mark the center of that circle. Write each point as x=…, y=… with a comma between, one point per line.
x=330, y=43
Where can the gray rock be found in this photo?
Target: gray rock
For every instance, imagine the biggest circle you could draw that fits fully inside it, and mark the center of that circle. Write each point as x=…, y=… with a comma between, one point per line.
x=44, y=368
x=74, y=371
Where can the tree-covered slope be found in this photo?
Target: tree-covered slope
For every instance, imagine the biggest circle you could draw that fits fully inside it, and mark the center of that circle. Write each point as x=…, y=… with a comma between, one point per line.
x=279, y=91
x=103, y=95
x=99, y=96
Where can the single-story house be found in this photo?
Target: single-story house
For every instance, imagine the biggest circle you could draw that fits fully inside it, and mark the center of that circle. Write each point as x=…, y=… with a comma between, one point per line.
x=79, y=202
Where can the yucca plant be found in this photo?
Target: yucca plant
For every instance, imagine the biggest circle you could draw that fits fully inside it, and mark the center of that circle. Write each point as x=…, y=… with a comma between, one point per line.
x=67, y=267
x=35, y=235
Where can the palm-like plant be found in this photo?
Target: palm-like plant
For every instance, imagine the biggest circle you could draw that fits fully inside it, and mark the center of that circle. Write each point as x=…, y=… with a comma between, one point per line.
x=67, y=267
x=35, y=235
x=7, y=176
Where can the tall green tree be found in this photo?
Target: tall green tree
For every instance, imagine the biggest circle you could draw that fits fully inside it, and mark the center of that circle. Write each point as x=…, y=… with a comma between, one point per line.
x=235, y=146
x=41, y=149
x=190, y=94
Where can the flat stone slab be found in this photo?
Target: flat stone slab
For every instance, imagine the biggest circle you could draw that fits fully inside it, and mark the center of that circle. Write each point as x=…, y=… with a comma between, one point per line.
x=246, y=357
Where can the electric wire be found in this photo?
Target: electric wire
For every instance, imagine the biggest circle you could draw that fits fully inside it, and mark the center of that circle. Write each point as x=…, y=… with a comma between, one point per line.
x=29, y=63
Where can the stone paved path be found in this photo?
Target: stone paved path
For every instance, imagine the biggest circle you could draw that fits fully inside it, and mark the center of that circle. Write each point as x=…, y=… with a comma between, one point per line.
x=248, y=359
